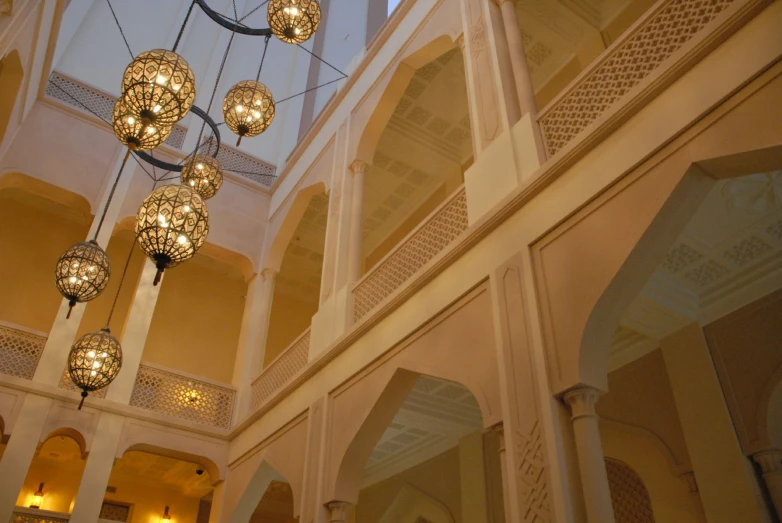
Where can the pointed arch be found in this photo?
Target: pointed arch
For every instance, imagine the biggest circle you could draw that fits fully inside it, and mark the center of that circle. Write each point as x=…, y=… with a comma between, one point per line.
x=11, y=75
x=256, y=487
x=770, y=411
x=410, y=504
x=287, y=228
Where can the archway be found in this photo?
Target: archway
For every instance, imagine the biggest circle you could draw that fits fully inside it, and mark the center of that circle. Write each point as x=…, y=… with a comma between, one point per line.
x=11, y=74
x=628, y=494
x=417, y=145
x=56, y=471
x=297, y=287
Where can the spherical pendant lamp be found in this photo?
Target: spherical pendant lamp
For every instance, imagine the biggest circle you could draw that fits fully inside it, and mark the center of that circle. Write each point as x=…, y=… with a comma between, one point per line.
x=202, y=173
x=171, y=225
x=159, y=87
x=293, y=21
x=94, y=361
x=248, y=108
x=132, y=132
x=82, y=273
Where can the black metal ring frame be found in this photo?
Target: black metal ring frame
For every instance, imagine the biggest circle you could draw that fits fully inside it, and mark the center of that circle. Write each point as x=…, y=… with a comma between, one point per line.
x=231, y=25
x=178, y=168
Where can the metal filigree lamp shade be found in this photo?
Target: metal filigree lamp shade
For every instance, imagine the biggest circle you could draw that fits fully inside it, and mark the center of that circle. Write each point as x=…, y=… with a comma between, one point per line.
x=82, y=273
x=94, y=361
x=136, y=135
x=159, y=87
x=202, y=173
x=293, y=21
x=171, y=225
x=248, y=108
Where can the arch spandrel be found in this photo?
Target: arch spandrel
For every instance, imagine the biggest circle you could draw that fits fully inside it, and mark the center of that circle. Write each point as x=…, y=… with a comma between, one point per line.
x=590, y=268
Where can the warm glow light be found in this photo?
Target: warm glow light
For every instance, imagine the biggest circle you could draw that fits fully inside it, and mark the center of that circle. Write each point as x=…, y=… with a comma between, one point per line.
x=131, y=120
x=182, y=239
x=38, y=498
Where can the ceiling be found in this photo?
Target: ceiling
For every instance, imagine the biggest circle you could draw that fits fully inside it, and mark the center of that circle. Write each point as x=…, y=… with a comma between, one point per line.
x=729, y=255
x=423, y=147
x=160, y=472
x=276, y=505
x=435, y=415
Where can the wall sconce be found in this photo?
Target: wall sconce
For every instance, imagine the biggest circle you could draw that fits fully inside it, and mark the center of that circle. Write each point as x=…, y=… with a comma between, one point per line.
x=166, y=518
x=37, y=498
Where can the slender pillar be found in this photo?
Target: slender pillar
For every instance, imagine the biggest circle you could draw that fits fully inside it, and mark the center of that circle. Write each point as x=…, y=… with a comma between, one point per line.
x=591, y=462
x=20, y=451
x=695, y=496
x=95, y=478
x=252, y=339
x=135, y=336
x=473, y=485
x=356, y=221
x=726, y=478
x=63, y=332
x=770, y=462
x=339, y=511
x=518, y=58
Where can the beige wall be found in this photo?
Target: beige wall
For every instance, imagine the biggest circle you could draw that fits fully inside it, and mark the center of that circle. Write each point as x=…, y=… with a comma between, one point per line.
x=61, y=478
x=149, y=503
x=97, y=311
x=289, y=318
x=34, y=234
x=197, y=319
x=437, y=477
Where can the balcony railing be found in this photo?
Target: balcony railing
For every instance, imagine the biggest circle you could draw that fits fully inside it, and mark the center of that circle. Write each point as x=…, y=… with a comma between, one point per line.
x=183, y=396
x=20, y=350
x=666, y=29
x=31, y=515
x=433, y=235
x=281, y=370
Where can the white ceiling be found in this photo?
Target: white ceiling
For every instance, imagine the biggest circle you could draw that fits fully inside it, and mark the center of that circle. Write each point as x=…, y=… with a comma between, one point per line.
x=435, y=415
x=729, y=255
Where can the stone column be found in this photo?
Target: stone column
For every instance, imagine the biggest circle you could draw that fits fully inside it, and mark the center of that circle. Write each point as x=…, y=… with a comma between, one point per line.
x=63, y=332
x=591, y=462
x=770, y=462
x=92, y=489
x=473, y=484
x=695, y=496
x=356, y=221
x=252, y=339
x=726, y=479
x=20, y=451
x=339, y=511
x=135, y=336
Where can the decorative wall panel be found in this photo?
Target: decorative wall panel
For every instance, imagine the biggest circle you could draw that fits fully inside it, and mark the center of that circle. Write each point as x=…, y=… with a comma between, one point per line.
x=184, y=397
x=19, y=351
x=437, y=232
x=628, y=494
x=281, y=370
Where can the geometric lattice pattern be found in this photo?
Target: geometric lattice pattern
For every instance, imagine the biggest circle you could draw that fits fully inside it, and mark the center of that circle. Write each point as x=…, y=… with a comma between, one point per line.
x=531, y=473
x=19, y=352
x=19, y=517
x=183, y=397
x=628, y=494
x=675, y=23
x=440, y=230
x=114, y=511
x=67, y=383
x=87, y=99
x=281, y=370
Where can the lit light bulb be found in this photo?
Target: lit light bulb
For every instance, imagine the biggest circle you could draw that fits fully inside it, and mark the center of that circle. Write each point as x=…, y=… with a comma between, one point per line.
x=131, y=120
x=192, y=183
x=257, y=114
x=150, y=130
x=187, y=208
x=239, y=108
x=297, y=31
x=75, y=265
x=104, y=354
x=73, y=279
x=92, y=269
x=91, y=354
x=177, y=87
x=96, y=365
x=182, y=239
x=93, y=373
x=249, y=118
x=84, y=277
x=257, y=102
x=156, y=109
x=161, y=80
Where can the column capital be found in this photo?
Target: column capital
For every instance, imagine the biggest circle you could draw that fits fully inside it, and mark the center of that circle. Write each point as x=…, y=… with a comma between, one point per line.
x=500, y=2
x=339, y=511
x=582, y=402
x=499, y=433
x=770, y=460
x=269, y=274
x=358, y=166
x=460, y=42
x=692, y=483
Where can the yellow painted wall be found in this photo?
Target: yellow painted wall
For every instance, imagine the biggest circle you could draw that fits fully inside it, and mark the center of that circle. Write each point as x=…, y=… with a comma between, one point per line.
x=197, y=319
x=149, y=503
x=60, y=478
x=289, y=318
x=33, y=236
x=97, y=310
x=438, y=477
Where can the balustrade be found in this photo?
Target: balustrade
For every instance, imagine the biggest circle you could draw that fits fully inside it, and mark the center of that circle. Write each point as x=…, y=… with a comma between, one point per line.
x=20, y=350
x=281, y=370
x=31, y=515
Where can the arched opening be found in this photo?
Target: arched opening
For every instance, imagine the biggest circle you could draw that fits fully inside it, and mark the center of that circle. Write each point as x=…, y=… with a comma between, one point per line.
x=297, y=287
x=42, y=221
x=420, y=155
x=55, y=471
x=144, y=482
x=421, y=455
x=11, y=74
x=276, y=505
x=267, y=497
x=628, y=494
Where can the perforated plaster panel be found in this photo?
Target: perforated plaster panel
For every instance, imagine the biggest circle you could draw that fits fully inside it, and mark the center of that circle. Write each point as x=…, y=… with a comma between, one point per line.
x=281, y=370
x=628, y=494
x=19, y=352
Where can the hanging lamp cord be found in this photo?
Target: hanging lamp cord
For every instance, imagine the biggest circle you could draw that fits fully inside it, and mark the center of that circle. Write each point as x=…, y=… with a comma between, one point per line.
x=265, y=47
x=182, y=29
x=111, y=195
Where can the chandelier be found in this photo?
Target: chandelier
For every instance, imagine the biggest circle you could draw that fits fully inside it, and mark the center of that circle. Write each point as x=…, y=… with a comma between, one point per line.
x=293, y=21
x=203, y=174
x=94, y=361
x=248, y=108
x=82, y=273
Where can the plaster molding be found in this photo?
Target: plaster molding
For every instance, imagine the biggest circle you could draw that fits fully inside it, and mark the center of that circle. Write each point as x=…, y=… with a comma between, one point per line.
x=339, y=511
x=582, y=402
x=770, y=461
x=269, y=274
x=691, y=482
x=358, y=167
